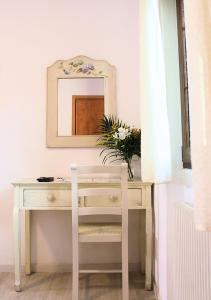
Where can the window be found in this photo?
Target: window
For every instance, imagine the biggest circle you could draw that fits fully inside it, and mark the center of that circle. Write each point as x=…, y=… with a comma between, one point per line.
x=186, y=156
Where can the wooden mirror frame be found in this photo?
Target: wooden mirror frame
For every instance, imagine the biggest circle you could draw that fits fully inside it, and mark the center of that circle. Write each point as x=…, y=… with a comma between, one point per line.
x=77, y=67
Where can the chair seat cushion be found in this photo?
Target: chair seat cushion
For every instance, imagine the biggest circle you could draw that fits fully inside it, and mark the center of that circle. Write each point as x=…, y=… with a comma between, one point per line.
x=100, y=228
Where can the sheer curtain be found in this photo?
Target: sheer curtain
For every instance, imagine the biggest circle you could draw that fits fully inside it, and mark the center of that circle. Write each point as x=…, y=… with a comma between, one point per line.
x=156, y=154
x=198, y=34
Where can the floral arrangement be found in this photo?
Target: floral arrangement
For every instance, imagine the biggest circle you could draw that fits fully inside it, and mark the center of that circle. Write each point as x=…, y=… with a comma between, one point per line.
x=119, y=140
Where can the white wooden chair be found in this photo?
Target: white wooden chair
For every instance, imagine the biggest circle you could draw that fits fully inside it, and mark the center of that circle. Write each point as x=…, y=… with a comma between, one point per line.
x=104, y=232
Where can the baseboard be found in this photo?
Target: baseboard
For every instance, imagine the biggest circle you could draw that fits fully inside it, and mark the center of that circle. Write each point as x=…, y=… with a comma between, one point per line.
x=58, y=268
x=6, y=268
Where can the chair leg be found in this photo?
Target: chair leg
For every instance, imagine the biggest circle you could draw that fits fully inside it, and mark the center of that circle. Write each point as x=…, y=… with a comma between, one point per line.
x=125, y=285
x=75, y=280
x=125, y=280
x=75, y=270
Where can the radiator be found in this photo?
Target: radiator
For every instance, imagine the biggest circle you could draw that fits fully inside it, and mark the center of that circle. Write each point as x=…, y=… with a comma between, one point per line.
x=189, y=256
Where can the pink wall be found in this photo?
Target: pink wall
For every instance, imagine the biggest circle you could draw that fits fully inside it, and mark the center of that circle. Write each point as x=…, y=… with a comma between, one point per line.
x=33, y=35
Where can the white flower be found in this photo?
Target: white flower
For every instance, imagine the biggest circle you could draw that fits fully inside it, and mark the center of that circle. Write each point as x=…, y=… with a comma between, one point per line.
x=115, y=135
x=121, y=129
x=123, y=133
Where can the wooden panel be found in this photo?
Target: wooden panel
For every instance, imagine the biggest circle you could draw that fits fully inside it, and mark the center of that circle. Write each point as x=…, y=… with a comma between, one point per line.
x=88, y=211
x=86, y=113
x=99, y=192
x=109, y=169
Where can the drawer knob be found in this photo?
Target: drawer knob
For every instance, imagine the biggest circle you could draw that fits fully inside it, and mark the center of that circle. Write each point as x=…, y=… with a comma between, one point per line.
x=50, y=197
x=113, y=198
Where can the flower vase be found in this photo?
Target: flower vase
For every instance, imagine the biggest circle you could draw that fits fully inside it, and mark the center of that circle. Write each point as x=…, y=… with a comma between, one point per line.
x=134, y=168
x=130, y=173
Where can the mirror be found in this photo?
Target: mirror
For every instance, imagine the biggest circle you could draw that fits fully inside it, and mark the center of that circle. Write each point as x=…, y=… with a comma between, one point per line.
x=80, y=91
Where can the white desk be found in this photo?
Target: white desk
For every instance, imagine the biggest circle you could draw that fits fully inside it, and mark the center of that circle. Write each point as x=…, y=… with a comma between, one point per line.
x=32, y=195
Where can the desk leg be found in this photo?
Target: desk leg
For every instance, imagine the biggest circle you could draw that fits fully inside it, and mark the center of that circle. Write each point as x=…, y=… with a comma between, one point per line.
x=148, y=280
x=17, y=244
x=27, y=242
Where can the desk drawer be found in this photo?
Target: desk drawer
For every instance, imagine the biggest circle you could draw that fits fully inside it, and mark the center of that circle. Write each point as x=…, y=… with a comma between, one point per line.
x=134, y=199
x=42, y=198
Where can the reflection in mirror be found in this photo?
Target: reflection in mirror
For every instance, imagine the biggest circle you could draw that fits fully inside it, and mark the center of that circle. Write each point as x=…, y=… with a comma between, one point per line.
x=87, y=111
x=80, y=105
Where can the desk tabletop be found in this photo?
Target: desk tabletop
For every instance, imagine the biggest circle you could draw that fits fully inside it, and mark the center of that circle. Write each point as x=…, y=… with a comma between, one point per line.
x=66, y=182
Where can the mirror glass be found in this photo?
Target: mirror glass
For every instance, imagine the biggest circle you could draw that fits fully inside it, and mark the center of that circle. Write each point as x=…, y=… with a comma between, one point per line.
x=80, y=105
x=80, y=91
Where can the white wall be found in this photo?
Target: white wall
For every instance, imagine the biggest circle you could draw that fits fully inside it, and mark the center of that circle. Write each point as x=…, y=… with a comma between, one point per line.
x=33, y=35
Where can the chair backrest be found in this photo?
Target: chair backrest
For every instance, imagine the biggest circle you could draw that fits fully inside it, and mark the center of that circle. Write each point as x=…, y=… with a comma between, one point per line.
x=106, y=173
